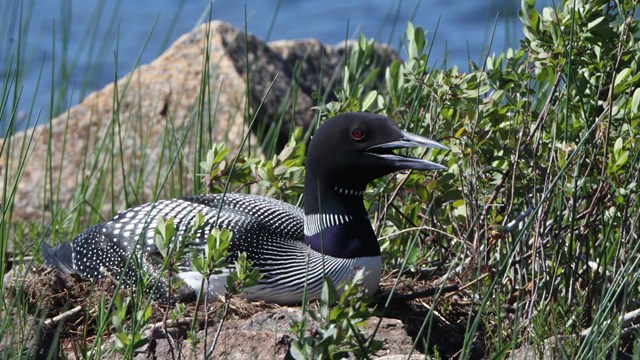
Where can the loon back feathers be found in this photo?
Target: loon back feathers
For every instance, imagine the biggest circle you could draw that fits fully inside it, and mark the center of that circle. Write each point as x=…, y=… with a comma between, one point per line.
x=260, y=226
x=293, y=249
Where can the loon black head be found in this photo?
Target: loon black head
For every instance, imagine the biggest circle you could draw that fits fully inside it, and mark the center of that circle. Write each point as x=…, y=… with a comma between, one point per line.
x=345, y=154
x=352, y=149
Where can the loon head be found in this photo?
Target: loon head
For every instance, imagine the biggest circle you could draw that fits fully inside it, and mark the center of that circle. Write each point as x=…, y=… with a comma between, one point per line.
x=352, y=149
x=345, y=154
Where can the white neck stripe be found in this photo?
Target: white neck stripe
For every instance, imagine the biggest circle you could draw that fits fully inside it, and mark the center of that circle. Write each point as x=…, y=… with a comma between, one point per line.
x=352, y=192
x=315, y=223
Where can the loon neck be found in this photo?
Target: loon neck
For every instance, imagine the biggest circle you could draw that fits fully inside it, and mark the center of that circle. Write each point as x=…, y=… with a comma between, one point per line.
x=336, y=222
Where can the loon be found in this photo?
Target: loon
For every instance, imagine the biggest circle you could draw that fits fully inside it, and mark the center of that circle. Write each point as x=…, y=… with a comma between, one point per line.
x=292, y=249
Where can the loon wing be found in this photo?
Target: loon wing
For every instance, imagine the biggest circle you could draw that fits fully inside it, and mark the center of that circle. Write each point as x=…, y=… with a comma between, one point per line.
x=260, y=226
x=252, y=219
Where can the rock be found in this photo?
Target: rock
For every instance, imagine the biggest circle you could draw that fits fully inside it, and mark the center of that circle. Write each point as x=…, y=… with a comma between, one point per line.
x=394, y=337
x=551, y=348
x=266, y=335
x=118, y=132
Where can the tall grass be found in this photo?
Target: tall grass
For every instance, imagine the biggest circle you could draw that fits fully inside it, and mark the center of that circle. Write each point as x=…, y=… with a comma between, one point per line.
x=104, y=178
x=102, y=164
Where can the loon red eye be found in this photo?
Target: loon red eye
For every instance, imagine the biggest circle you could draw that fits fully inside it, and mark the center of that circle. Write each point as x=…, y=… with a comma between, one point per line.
x=357, y=134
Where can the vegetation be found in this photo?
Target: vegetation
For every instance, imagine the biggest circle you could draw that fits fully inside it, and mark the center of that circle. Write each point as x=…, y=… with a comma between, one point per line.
x=536, y=219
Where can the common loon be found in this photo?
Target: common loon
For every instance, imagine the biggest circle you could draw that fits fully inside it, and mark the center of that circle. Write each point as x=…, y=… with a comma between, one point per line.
x=291, y=248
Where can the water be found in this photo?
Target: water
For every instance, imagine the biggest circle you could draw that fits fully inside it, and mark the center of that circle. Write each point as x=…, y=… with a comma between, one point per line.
x=95, y=40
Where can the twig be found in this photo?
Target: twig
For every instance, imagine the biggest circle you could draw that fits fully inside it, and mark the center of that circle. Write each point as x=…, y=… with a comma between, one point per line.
x=473, y=282
x=206, y=312
x=224, y=316
x=396, y=192
x=502, y=229
x=420, y=294
x=63, y=316
x=167, y=309
x=20, y=260
x=626, y=320
x=436, y=313
x=427, y=228
x=512, y=225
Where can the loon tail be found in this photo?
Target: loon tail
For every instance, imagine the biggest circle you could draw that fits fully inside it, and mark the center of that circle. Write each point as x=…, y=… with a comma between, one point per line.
x=59, y=256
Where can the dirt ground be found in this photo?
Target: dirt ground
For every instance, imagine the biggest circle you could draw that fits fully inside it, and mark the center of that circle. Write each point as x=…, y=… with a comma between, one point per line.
x=59, y=313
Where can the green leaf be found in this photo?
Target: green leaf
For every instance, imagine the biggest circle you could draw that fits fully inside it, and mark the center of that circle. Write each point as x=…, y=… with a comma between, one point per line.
x=549, y=15
x=198, y=264
x=617, y=146
x=122, y=340
x=372, y=75
x=285, y=153
x=635, y=101
x=146, y=313
x=165, y=233
x=296, y=352
x=622, y=81
x=329, y=294
x=596, y=22
x=369, y=99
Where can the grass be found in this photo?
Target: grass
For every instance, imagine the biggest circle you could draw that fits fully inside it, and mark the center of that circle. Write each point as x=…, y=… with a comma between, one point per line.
x=546, y=134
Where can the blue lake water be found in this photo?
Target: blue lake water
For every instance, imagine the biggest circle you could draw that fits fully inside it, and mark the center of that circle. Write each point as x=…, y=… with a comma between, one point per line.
x=95, y=40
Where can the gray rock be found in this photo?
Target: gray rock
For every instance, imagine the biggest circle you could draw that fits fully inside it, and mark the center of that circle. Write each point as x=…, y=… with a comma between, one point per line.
x=164, y=94
x=266, y=335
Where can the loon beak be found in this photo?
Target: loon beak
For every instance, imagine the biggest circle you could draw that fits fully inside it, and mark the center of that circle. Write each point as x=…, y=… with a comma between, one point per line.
x=407, y=140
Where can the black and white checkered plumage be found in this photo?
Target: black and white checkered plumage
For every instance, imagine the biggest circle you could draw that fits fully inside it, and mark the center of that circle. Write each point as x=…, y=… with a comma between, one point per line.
x=293, y=249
